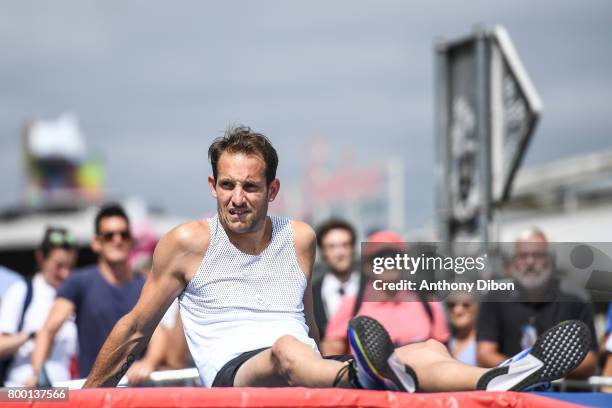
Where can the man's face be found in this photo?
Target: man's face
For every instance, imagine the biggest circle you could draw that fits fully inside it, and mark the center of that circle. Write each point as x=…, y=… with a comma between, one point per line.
x=532, y=264
x=462, y=310
x=242, y=192
x=56, y=266
x=337, y=250
x=114, y=241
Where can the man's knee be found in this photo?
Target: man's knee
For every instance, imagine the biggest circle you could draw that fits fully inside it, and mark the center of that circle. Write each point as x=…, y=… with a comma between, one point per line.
x=428, y=347
x=284, y=354
x=435, y=345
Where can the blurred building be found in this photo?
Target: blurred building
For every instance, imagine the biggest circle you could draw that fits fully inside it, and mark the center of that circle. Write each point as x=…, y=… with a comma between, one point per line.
x=569, y=199
x=22, y=228
x=58, y=168
x=63, y=186
x=371, y=196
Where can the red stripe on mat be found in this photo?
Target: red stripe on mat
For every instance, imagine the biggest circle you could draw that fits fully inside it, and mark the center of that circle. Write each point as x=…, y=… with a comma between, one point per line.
x=292, y=397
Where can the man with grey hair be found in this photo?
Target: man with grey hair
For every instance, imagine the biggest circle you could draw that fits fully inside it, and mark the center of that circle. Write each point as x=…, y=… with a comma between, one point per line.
x=507, y=326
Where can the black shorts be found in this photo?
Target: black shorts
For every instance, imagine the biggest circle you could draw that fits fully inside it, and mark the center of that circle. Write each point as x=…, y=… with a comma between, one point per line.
x=227, y=373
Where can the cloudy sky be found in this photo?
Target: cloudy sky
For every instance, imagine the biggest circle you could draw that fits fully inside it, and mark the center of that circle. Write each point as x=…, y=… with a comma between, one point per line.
x=153, y=82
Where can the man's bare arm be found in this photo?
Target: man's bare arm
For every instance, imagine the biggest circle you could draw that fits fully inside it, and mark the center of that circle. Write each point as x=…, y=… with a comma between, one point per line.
x=173, y=256
x=306, y=247
x=333, y=347
x=10, y=343
x=176, y=356
x=586, y=368
x=153, y=359
x=488, y=355
x=607, y=371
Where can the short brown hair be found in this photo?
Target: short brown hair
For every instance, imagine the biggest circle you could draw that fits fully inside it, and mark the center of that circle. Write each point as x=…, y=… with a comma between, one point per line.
x=241, y=139
x=335, y=223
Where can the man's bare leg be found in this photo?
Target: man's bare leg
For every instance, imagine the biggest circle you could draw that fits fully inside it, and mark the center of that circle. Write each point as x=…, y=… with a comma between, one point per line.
x=555, y=353
x=289, y=362
x=436, y=369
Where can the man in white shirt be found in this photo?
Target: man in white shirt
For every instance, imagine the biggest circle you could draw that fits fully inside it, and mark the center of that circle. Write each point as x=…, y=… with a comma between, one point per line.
x=336, y=238
x=7, y=278
x=56, y=257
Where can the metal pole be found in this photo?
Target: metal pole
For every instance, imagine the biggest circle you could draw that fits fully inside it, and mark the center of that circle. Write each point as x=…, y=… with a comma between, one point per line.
x=483, y=118
x=442, y=149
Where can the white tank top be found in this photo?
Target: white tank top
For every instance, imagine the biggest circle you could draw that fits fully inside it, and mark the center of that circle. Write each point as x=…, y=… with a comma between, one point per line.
x=238, y=302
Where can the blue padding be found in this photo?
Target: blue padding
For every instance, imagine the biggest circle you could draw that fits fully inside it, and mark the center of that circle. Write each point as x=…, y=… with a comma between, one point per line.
x=592, y=399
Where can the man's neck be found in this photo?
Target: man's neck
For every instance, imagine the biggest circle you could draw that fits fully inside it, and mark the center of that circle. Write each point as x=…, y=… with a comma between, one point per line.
x=115, y=273
x=544, y=292
x=343, y=276
x=252, y=243
x=465, y=333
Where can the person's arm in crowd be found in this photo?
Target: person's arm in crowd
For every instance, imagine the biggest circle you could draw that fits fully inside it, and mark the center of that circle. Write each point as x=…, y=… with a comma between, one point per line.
x=306, y=247
x=439, y=325
x=140, y=371
x=335, y=341
x=607, y=369
x=10, y=343
x=333, y=347
x=589, y=365
x=488, y=355
x=176, y=356
x=61, y=310
x=173, y=255
x=586, y=369
x=488, y=331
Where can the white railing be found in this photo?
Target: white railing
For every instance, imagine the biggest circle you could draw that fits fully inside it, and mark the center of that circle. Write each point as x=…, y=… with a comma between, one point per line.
x=190, y=377
x=186, y=376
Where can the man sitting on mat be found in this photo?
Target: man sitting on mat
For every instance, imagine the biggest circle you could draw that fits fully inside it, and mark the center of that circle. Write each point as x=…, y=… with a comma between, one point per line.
x=243, y=282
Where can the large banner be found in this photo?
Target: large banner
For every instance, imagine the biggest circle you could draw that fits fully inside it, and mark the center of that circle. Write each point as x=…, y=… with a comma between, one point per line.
x=486, y=111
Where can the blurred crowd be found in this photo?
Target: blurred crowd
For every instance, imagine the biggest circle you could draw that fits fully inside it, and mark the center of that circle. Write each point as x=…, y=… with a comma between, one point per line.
x=53, y=324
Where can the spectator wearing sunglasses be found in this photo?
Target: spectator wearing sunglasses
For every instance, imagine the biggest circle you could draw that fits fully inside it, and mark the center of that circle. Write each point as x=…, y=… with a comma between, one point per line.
x=462, y=312
x=25, y=308
x=99, y=295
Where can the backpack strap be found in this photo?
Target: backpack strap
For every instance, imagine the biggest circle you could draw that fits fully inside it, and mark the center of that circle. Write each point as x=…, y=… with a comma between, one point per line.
x=26, y=303
x=6, y=363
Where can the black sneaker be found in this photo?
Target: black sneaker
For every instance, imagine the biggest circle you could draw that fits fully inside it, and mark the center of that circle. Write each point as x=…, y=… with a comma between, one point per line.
x=555, y=354
x=376, y=364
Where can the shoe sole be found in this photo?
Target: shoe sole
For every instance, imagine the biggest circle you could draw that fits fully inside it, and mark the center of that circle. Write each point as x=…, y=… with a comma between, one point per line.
x=561, y=348
x=372, y=345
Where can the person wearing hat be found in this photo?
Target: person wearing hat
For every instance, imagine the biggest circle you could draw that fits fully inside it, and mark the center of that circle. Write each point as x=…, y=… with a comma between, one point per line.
x=408, y=320
x=25, y=307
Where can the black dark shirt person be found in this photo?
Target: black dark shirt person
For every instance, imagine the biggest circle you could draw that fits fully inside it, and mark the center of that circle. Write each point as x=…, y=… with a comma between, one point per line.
x=505, y=326
x=336, y=239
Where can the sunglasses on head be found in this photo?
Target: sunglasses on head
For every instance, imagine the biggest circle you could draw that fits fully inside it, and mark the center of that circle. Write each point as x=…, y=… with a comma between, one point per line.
x=108, y=236
x=61, y=239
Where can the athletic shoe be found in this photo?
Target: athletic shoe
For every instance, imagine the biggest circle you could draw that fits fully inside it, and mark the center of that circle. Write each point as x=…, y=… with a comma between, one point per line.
x=376, y=364
x=556, y=353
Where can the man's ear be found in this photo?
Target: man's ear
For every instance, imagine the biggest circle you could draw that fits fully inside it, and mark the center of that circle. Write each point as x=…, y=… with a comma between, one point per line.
x=39, y=257
x=95, y=245
x=212, y=185
x=273, y=189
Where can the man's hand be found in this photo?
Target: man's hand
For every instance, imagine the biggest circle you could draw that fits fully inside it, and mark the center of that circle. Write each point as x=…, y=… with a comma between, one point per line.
x=31, y=382
x=139, y=372
x=488, y=355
